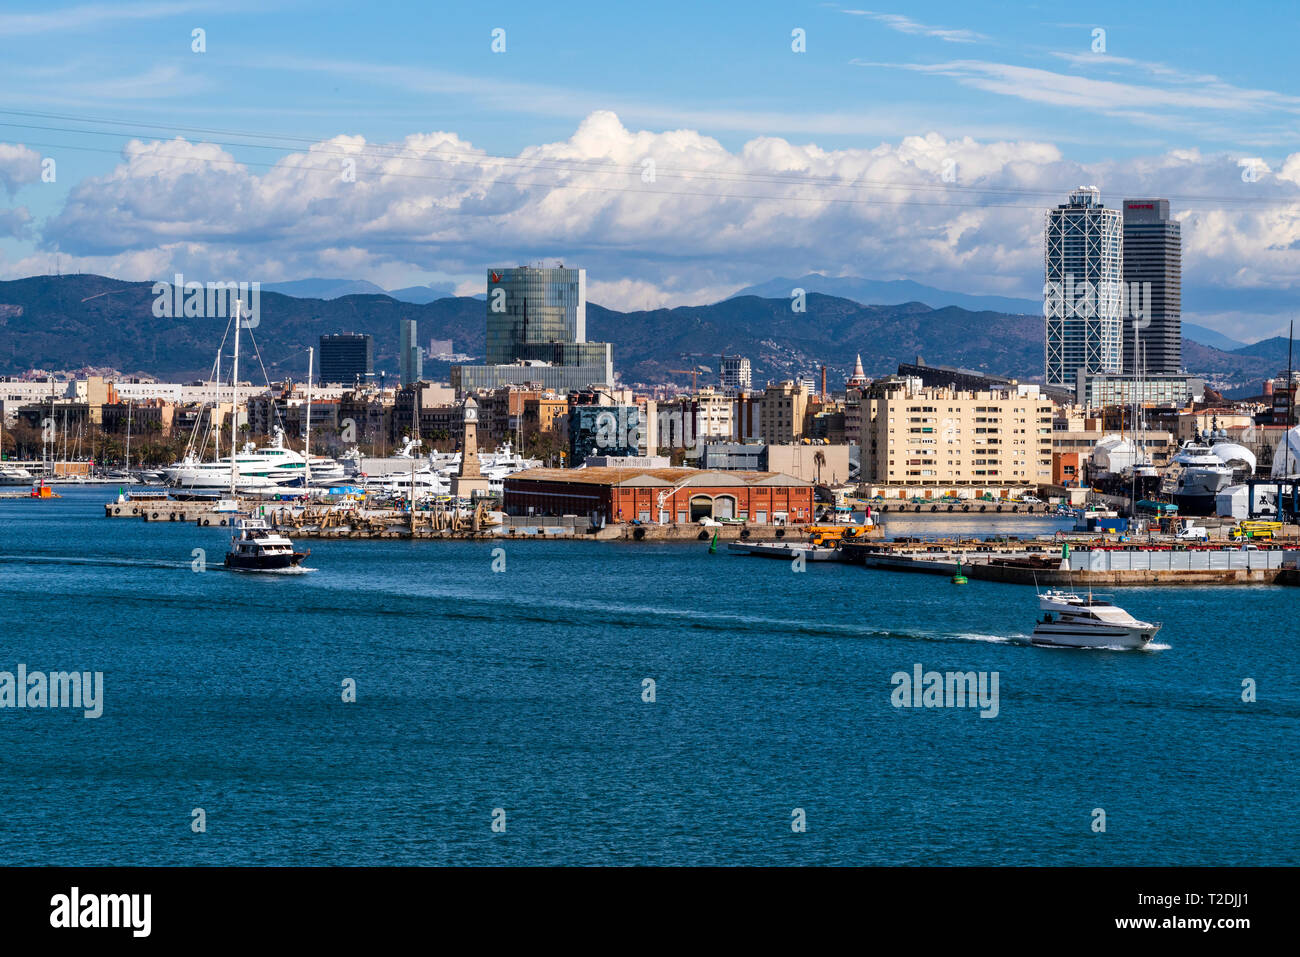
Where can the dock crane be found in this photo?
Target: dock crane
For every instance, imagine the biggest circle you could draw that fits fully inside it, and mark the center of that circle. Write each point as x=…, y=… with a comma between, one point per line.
x=668, y=493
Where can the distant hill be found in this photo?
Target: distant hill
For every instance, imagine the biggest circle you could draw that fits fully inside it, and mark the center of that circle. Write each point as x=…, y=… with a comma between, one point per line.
x=1230, y=366
x=338, y=288
x=1273, y=350
x=1208, y=337
x=781, y=343
x=84, y=320
x=889, y=292
x=325, y=288
x=423, y=294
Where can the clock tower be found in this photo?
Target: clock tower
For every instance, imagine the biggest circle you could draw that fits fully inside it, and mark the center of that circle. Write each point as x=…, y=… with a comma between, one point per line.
x=468, y=480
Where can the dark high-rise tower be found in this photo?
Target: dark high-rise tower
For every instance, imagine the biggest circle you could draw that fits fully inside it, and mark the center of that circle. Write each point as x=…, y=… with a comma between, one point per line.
x=346, y=358
x=1153, y=254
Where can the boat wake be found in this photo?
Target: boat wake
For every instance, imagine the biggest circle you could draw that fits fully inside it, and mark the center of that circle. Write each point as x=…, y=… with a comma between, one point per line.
x=1152, y=646
x=91, y=562
x=298, y=570
x=992, y=639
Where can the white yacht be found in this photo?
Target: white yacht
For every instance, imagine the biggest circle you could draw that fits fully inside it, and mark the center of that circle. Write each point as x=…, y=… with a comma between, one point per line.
x=427, y=482
x=1088, y=621
x=13, y=475
x=1200, y=477
x=258, y=469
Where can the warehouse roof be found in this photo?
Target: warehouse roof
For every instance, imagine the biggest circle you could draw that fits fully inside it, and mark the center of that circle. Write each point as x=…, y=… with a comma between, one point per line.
x=657, y=478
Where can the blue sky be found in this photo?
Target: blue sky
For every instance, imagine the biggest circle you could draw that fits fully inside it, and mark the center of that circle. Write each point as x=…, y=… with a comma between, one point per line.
x=1021, y=101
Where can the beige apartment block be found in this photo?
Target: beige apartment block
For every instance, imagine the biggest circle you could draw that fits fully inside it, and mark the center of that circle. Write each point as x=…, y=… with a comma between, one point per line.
x=916, y=435
x=781, y=416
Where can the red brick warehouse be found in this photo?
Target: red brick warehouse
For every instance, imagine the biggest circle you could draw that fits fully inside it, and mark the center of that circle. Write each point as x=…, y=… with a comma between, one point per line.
x=625, y=494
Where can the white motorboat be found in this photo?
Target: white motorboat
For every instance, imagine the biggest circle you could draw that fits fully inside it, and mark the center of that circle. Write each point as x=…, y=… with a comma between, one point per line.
x=13, y=475
x=1088, y=621
x=256, y=548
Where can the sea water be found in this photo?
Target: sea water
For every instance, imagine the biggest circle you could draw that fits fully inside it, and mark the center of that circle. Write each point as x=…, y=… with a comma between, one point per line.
x=591, y=703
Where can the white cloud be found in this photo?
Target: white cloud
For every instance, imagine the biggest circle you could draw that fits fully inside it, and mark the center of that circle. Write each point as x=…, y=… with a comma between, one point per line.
x=1072, y=90
x=18, y=166
x=712, y=220
x=902, y=24
x=92, y=15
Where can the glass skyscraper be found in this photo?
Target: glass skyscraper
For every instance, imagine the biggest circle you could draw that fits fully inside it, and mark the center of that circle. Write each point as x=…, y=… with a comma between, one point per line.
x=537, y=332
x=410, y=359
x=531, y=308
x=1153, y=253
x=1083, y=288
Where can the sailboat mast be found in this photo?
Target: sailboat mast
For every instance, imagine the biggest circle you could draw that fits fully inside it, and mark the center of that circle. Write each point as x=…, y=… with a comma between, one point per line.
x=234, y=398
x=306, y=454
x=1290, y=393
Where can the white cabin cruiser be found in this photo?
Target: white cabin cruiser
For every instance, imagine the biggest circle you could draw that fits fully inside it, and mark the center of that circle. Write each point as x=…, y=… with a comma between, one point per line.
x=256, y=548
x=1088, y=621
x=13, y=475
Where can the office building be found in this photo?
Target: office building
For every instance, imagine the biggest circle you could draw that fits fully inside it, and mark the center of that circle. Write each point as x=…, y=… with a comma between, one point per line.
x=347, y=358
x=1152, y=255
x=1082, y=289
x=1100, y=390
x=409, y=357
x=537, y=333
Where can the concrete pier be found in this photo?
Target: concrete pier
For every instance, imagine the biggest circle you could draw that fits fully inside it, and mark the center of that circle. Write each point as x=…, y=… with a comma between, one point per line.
x=1042, y=564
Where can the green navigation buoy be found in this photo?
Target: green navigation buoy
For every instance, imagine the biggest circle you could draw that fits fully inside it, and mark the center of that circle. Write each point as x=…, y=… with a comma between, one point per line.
x=959, y=578
x=713, y=545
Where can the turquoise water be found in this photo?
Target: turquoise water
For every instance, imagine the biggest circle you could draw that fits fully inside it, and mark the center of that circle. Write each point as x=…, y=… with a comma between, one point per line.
x=522, y=690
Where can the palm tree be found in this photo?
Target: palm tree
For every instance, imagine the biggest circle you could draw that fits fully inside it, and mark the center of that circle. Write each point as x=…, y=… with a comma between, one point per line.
x=819, y=459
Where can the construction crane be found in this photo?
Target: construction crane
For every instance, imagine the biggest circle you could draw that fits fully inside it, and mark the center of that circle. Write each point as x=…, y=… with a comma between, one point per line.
x=708, y=370
x=693, y=373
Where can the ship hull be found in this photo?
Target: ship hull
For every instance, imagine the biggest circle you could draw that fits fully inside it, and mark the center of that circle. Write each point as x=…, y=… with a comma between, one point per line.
x=264, y=563
x=1063, y=636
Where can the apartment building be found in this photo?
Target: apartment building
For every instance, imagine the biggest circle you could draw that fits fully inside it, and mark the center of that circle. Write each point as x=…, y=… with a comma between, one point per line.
x=781, y=417
x=919, y=435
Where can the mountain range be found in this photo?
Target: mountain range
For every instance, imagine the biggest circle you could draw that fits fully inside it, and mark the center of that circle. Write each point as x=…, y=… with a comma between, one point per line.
x=905, y=290
x=78, y=321
x=338, y=288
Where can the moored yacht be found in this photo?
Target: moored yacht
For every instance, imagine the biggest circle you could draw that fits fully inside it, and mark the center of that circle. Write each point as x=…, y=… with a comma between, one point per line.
x=258, y=468
x=1088, y=621
x=13, y=475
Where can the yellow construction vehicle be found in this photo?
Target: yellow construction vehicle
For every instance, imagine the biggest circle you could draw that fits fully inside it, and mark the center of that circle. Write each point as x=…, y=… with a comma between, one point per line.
x=1255, y=529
